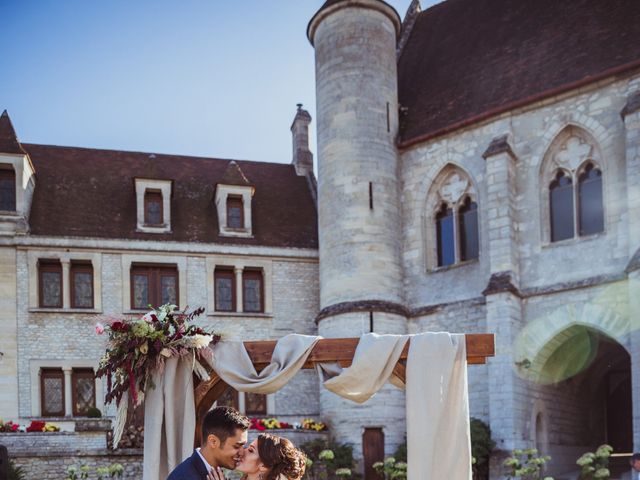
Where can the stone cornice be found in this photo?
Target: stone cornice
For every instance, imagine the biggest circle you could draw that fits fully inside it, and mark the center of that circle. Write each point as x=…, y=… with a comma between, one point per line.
x=106, y=245
x=501, y=282
x=634, y=263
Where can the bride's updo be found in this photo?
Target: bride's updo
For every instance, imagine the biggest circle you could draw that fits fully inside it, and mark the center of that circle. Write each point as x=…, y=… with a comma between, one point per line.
x=281, y=457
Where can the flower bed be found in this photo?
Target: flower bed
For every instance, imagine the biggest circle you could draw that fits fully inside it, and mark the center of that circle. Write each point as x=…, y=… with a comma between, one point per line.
x=34, y=426
x=262, y=424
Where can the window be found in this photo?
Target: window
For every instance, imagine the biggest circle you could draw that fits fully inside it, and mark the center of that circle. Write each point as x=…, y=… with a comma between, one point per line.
x=225, y=290
x=252, y=300
x=444, y=228
x=576, y=209
x=52, y=392
x=153, y=285
x=81, y=282
x=255, y=404
x=7, y=190
x=561, y=202
x=83, y=388
x=153, y=213
x=457, y=232
x=591, y=214
x=50, y=283
x=229, y=398
x=468, y=228
x=235, y=212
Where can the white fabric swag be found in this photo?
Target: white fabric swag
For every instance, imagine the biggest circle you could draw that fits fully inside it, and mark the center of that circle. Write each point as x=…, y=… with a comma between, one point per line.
x=438, y=438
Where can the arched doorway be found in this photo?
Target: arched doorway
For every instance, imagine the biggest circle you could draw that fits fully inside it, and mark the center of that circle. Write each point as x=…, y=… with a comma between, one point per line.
x=585, y=377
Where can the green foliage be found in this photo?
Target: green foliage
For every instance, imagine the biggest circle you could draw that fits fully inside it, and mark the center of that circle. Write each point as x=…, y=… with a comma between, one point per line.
x=595, y=465
x=526, y=465
x=93, y=412
x=16, y=473
x=481, y=446
x=401, y=452
x=328, y=460
x=82, y=472
x=391, y=469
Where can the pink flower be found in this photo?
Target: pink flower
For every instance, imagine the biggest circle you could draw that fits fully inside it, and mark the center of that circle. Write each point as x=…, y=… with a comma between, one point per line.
x=99, y=328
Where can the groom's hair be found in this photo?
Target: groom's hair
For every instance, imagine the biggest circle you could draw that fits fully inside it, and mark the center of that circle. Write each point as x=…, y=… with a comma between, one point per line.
x=223, y=423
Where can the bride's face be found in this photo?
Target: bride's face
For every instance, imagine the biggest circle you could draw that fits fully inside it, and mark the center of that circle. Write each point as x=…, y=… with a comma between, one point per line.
x=250, y=462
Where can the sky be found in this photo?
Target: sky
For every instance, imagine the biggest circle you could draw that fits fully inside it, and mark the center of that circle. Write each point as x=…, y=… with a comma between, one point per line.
x=215, y=78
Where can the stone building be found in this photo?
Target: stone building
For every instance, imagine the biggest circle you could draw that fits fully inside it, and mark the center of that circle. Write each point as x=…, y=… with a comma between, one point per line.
x=478, y=171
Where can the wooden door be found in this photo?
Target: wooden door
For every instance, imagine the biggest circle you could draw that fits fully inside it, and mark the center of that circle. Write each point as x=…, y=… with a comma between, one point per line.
x=372, y=451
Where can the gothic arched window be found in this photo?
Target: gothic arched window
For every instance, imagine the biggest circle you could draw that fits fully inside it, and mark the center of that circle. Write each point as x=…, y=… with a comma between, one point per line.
x=590, y=211
x=468, y=230
x=446, y=242
x=454, y=219
x=573, y=190
x=561, y=203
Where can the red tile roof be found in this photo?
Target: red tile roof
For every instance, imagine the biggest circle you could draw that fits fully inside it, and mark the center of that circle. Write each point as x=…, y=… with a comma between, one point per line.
x=8, y=140
x=83, y=192
x=469, y=59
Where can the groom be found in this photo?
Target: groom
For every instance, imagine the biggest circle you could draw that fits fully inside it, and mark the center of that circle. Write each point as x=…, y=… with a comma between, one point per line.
x=224, y=434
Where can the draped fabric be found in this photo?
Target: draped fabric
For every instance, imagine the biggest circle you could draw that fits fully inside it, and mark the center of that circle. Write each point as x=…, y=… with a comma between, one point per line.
x=169, y=419
x=436, y=394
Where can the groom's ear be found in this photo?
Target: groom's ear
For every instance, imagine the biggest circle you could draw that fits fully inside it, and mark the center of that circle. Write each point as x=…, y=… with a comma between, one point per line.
x=213, y=441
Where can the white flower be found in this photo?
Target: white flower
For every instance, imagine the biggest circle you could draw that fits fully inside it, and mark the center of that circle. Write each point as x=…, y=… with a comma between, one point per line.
x=165, y=352
x=147, y=317
x=200, y=341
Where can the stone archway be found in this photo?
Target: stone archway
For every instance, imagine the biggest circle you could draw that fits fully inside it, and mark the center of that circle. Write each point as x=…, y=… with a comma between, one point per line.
x=582, y=380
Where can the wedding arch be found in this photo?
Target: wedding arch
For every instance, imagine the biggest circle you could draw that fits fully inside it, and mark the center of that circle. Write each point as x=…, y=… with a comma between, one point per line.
x=430, y=366
x=479, y=346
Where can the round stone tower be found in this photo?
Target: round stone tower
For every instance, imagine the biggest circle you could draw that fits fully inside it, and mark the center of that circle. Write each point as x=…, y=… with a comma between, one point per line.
x=361, y=282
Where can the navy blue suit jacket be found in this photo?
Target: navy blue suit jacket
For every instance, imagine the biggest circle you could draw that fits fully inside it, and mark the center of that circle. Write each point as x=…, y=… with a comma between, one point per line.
x=191, y=469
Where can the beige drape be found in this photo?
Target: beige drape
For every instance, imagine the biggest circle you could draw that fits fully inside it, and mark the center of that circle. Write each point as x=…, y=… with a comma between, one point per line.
x=169, y=419
x=436, y=383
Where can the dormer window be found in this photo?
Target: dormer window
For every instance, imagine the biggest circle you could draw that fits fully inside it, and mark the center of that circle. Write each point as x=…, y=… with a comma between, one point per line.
x=153, y=208
x=235, y=214
x=8, y=190
x=233, y=202
x=153, y=199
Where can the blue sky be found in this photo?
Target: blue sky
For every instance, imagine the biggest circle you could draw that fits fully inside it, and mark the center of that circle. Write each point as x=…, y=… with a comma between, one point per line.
x=216, y=78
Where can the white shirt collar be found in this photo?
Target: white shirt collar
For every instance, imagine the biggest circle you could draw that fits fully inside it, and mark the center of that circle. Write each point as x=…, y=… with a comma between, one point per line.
x=206, y=464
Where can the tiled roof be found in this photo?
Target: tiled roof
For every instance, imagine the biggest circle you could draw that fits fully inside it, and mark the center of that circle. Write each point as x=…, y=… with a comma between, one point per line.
x=469, y=59
x=233, y=175
x=8, y=140
x=84, y=192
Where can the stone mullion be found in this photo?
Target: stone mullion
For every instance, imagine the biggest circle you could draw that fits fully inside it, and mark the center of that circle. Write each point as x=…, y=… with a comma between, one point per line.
x=634, y=319
x=239, y=293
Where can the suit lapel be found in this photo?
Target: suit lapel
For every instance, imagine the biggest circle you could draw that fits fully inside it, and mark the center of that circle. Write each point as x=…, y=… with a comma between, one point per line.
x=199, y=465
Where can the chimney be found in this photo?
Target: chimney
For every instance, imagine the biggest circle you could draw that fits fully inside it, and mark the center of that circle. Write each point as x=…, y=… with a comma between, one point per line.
x=302, y=157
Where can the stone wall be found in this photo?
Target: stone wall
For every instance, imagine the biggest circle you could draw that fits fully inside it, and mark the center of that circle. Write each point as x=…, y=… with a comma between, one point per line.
x=9, y=336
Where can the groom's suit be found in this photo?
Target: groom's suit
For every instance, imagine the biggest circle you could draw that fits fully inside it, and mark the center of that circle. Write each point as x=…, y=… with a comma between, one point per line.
x=192, y=468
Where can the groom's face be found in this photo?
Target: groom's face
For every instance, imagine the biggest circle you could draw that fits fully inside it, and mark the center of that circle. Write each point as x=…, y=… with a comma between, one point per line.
x=229, y=453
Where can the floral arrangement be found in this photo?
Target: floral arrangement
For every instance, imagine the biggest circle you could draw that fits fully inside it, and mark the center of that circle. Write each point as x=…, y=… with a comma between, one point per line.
x=82, y=472
x=139, y=347
x=262, y=424
x=34, y=426
x=311, y=424
x=595, y=465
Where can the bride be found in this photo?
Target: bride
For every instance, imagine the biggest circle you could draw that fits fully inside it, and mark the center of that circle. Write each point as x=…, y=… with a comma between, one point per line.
x=268, y=457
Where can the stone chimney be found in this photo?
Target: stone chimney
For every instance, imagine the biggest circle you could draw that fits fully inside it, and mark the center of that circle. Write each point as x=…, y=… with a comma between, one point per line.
x=302, y=156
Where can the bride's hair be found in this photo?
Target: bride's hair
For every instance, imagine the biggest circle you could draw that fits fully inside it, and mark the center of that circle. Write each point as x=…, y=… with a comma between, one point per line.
x=281, y=457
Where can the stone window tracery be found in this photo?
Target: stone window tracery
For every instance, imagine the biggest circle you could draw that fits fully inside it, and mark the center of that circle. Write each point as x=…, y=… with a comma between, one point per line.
x=573, y=202
x=452, y=225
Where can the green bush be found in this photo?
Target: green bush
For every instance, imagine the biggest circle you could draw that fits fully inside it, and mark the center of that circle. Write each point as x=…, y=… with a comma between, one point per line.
x=16, y=473
x=526, y=465
x=595, y=465
x=401, y=452
x=481, y=446
x=328, y=460
x=94, y=412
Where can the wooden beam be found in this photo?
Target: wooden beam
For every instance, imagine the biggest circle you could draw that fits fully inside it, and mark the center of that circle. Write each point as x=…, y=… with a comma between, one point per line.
x=341, y=350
